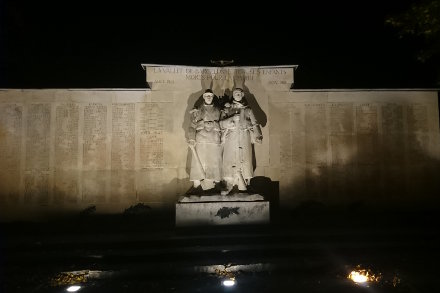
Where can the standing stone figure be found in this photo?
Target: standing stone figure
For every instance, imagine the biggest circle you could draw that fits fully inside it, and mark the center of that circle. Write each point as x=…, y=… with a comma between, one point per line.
x=204, y=142
x=240, y=130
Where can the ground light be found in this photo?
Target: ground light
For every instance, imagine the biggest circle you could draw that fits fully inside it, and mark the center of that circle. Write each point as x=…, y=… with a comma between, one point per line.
x=363, y=276
x=358, y=277
x=73, y=288
x=228, y=282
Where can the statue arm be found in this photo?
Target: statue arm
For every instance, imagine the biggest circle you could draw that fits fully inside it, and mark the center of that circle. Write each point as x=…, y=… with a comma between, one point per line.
x=193, y=126
x=227, y=123
x=252, y=117
x=255, y=129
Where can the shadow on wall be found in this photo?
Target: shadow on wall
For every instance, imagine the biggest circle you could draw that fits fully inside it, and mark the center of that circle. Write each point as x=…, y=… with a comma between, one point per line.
x=155, y=203
x=389, y=177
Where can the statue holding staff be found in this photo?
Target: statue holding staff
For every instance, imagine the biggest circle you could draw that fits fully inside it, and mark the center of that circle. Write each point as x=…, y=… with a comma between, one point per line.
x=205, y=144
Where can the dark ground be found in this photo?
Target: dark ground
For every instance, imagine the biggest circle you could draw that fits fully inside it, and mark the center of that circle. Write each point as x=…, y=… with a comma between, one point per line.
x=310, y=249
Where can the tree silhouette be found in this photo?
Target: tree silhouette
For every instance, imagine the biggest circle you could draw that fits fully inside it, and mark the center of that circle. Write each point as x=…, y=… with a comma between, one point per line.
x=420, y=23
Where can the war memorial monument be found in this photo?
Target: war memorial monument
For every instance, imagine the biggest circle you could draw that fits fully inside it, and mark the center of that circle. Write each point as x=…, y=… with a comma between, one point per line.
x=178, y=145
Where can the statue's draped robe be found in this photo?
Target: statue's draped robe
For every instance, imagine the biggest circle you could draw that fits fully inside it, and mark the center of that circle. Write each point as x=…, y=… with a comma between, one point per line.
x=236, y=139
x=205, y=130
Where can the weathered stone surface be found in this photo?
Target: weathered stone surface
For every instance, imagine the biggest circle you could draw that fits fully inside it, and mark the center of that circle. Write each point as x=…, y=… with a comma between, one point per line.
x=222, y=213
x=218, y=197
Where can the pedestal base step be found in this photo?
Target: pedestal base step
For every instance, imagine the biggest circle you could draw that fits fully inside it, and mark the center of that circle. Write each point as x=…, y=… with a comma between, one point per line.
x=193, y=213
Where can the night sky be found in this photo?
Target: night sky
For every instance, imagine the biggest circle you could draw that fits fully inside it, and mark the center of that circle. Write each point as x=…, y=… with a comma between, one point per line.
x=340, y=44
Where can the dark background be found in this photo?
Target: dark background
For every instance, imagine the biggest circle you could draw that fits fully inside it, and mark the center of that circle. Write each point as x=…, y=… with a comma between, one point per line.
x=337, y=44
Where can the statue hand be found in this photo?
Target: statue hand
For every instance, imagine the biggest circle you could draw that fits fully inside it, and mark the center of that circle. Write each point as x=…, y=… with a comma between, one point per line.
x=259, y=139
x=191, y=142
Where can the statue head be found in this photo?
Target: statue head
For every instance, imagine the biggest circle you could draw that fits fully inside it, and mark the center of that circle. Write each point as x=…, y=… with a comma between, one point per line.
x=208, y=96
x=237, y=94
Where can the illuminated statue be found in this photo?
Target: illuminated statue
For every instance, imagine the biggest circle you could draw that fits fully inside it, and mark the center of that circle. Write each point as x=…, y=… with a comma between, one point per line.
x=240, y=130
x=204, y=142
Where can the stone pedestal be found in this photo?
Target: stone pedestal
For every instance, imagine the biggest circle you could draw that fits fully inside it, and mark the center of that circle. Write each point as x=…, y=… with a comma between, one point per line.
x=235, y=209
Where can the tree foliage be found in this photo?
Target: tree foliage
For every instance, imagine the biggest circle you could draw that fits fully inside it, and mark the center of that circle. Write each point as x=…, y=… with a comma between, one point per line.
x=420, y=21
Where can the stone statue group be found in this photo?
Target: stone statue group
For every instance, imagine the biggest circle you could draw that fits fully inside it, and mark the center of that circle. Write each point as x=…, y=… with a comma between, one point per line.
x=220, y=139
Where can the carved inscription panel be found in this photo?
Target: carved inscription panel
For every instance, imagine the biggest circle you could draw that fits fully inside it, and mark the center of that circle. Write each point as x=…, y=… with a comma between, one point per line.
x=66, y=136
x=38, y=137
x=151, y=133
x=123, y=136
x=11, y=116
x=95, y=136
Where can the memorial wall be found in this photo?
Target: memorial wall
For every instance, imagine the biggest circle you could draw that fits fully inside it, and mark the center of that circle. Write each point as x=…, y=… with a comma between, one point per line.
x=62, y=150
